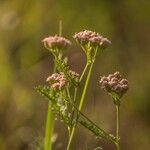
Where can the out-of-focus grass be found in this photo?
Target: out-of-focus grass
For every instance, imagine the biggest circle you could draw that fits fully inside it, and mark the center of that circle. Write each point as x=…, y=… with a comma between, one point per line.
x=24, y=63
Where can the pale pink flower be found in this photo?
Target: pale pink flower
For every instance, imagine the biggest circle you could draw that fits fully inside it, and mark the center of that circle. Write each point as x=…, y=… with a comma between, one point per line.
x=56, y=42
x=57, y=81
x=84, y=37
x=114, y=83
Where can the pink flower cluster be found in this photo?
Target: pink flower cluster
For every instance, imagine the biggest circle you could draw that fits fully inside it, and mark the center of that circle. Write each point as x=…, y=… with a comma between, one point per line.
x=114, y=83
x=53, y=42
x=86, y=36
x=57, y=81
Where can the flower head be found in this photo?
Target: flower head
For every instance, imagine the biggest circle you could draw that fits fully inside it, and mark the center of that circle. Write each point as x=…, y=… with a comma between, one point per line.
x=74, y=77
x=90, y=42
x=114, y=83
x=57, y=81
x=55, y=43
x=85, y=37
x=74, y=74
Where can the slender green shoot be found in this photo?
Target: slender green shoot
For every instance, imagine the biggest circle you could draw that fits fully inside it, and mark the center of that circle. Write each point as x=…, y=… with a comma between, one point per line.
x=82, y=97
x=117, y=127
x=50, y=121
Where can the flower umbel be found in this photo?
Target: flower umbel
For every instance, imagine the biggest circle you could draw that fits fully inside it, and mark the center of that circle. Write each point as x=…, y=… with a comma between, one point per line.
x=74, y=74
x=56, y=43
x=95, y=39
x=90, y=41
x=114, y=84
x=74, y=77
x=57, y=81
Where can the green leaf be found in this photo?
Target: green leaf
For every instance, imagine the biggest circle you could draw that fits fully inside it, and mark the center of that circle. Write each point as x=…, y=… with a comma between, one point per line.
x=57, y=106
x=91, y=126
x=46, y=91
x=65, y=117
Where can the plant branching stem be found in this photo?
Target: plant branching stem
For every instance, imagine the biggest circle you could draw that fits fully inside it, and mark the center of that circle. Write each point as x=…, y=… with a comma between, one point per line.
x=87, y=82
x=85, y=87
x=76, y=88
x=82, y=97
x=73, y=128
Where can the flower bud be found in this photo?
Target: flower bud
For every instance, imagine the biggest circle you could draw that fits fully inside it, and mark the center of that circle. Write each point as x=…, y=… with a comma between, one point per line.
x=56, y=43
x=57, y=81
x=95, y=39
x=113, y=83
x=90, y=41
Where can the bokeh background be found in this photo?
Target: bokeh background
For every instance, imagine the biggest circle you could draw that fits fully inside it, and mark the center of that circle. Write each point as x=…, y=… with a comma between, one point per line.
x=25, y=63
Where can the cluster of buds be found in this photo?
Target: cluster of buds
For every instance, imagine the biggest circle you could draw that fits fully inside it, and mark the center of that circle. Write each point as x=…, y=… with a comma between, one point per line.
x=74, y=74
x=89, y=42
x=92, y=38
x=57, y=81
x=114, y=84
x=74, y=77
x=56, y=43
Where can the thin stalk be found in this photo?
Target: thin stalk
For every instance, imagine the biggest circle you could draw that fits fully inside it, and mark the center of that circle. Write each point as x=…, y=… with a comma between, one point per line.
x=75, y=94
x=117, y=127
x=74, y=99
x=49, y=129
x=50, y=117
x=80, y=113
x=87, y=81
x=70, y=138
x=85, y=87
x=82, y=98
x=81, y=104
x=85, y=68
x=76, y=88
x=68, y=93
x=49, y=125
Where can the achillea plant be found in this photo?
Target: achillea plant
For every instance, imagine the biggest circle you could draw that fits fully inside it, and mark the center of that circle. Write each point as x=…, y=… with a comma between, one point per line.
x=62, y=100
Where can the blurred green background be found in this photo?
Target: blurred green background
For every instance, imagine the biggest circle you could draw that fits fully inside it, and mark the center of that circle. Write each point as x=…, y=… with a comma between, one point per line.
x=24, y=63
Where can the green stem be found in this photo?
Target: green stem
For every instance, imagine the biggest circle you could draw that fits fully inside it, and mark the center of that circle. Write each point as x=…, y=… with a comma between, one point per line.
x=80, y=113
x=87, y=81
x=83, y=96
x=50, y=117
x=85, y=87
x=68, y=93
x=117, y=146
x=49, y=124
x=85, y=68
x=117, y=127
x=80, y=105
x=76, y=89
x=74, y=100
x=70, y=138
x=75, y=94
x=49, y=129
